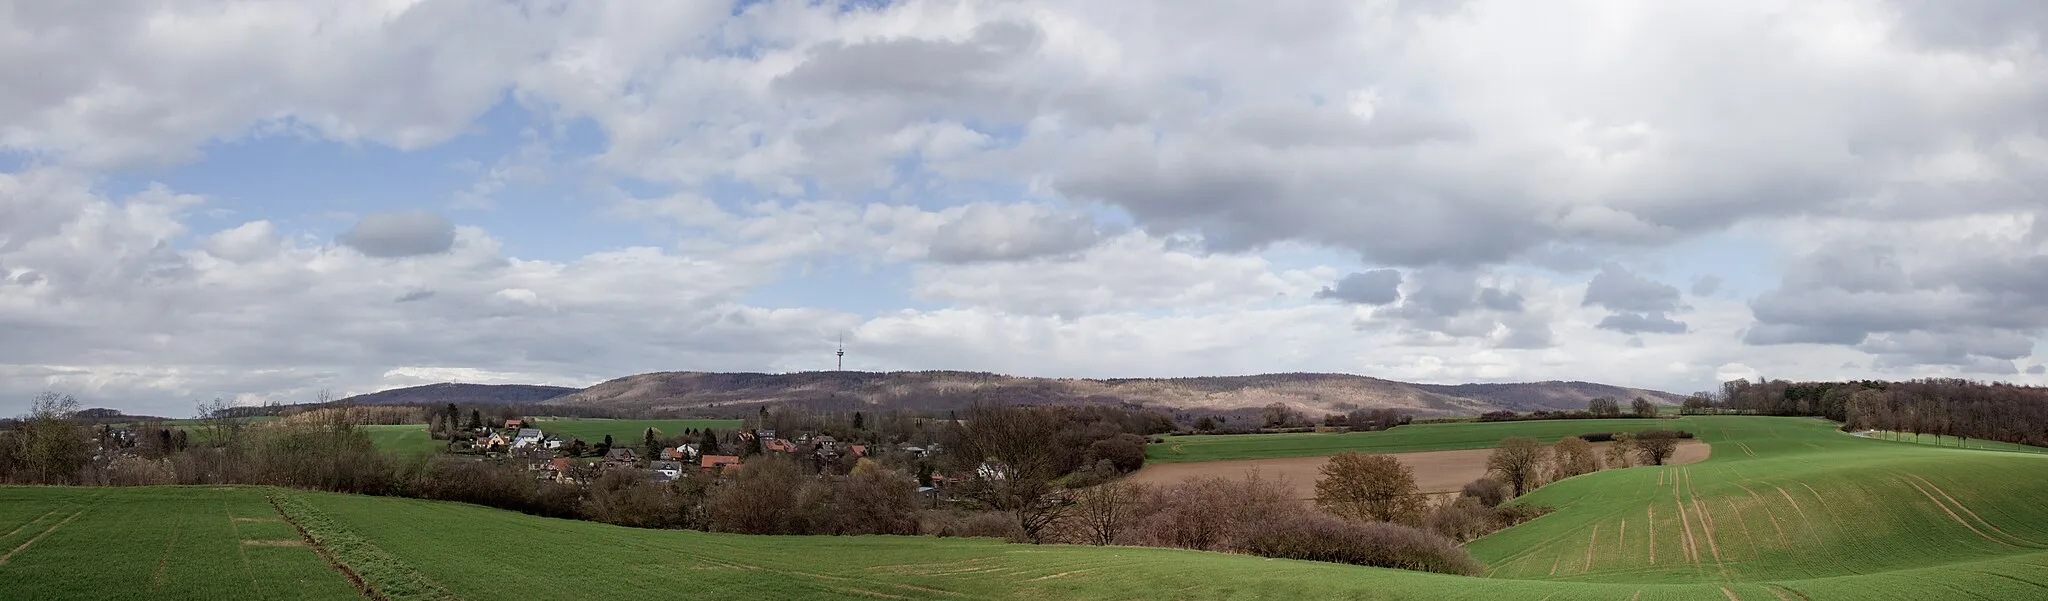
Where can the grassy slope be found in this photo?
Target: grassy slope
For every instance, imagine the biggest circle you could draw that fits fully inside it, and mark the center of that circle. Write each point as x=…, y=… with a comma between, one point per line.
x=1404, y=439
x=1786, y=499
x=625, y=431
x=409, y=439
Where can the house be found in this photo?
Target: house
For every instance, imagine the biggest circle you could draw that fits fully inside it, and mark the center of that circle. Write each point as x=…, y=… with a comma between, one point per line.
x=494, y=440
x=858, y=450
x=914, y=451
x=764, y=433
x=992, y=470
x=689, y=450
x=665, y=471
x=672, y=454
x=527, y=437
x=560, y=468
x=514, y=423
x=619, y=457
x=777, y=445
x=553, y=442
x=712, y=463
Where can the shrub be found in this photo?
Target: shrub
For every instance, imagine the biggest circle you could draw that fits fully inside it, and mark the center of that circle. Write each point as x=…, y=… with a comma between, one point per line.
x=1318, y=537
x=136, y=471
x=1598, y=436
x=1212, y=513
x=1509, y=515
x=1487, y=491
x=994, y=524
x=1462, y=519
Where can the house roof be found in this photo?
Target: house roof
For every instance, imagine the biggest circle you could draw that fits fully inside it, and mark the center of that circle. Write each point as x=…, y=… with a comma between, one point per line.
x=560, y=463
x=859, y=449
x=719, y=460
x=666, y=465
x=619, y=454
x=529, y=433
x=512, y=423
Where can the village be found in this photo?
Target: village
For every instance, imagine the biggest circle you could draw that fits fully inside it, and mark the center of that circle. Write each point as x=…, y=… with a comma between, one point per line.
x=708, y=452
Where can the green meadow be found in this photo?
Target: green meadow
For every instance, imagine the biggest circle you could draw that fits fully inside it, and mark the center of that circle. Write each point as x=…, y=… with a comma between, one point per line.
x=1786, y=509
x=1403, y=439
x=625, y=430
x=406, y=439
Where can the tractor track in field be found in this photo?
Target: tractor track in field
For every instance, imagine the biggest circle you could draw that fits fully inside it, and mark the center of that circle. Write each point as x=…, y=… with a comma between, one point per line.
x=1651, y=523
x=163, y=562
x=18, y=529
x=1774, y=588
x=1730, y=594
x=1590, y=544
x=1743, y=523
x=1761, y=504
x=46, y=532
x=1953, y=516
x=1966, y=509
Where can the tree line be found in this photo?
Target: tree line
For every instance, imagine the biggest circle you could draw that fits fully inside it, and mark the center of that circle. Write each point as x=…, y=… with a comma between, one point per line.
x=1942, y=407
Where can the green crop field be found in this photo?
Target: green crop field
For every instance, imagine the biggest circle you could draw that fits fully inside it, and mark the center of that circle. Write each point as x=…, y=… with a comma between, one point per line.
x=408, y=439
x=625, y=430
x=1787, y=508
x=1403, y=439
x=1794, y=502
x=155, y=543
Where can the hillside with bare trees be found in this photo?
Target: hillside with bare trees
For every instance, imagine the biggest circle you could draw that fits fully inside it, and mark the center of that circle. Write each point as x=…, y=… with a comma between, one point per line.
x=1311, y=394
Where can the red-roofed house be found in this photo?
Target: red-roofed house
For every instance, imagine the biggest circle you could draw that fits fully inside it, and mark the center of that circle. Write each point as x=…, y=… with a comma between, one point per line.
x=716, y=462
x=859, y=450
x=513, y=423
x=777, y=445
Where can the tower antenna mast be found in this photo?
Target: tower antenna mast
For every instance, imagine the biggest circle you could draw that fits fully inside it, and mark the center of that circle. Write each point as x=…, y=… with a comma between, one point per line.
x=842, y=352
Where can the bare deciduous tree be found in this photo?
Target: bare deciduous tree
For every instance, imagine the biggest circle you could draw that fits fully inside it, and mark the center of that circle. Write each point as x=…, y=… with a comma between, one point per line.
x=1655, y=446
x=1105, y=511
x=1011, y=467
x=1618, y=452
x=1518, y=462
x=1572, y=456
x=1369, y=488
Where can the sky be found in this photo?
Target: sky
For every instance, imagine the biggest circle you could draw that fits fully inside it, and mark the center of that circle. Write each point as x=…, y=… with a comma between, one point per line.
x=259, y=201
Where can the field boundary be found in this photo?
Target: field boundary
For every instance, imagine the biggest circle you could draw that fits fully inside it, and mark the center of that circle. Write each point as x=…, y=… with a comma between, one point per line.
x=374, y=572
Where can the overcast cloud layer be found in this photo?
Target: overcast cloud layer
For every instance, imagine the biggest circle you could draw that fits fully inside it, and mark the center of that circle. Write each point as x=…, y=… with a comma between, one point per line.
x=1657, y=194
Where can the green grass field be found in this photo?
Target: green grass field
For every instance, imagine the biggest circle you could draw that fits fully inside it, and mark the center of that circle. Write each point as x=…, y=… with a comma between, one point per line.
x=624, y=430
x=1786, y=508
x=1403, y=439
x=1794, y=502
x=408, y=439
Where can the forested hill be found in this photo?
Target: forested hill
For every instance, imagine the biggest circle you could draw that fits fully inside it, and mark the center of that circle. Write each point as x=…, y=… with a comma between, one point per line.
x=1313, y=394
x=462, y=394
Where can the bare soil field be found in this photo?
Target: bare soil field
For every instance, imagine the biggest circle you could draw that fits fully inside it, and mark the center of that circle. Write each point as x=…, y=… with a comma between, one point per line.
x=1435, y=471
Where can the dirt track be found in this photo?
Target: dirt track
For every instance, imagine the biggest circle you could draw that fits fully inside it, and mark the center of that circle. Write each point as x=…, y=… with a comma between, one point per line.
x=1435, y=471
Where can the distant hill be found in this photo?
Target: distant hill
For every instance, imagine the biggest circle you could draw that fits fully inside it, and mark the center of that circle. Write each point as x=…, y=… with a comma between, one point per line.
x=466, y=394
x=1314, y=394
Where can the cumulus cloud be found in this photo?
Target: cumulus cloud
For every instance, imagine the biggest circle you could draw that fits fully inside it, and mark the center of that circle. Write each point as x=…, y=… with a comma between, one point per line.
x=1887, y=170
x=987, y=232
x=1641, y=305
x=1375, y=287
x=401, y=234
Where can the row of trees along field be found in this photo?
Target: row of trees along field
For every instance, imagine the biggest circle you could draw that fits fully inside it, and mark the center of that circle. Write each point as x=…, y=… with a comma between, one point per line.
x=1933, y=406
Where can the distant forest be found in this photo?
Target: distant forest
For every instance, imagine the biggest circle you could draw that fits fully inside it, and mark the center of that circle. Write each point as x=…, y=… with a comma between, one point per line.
x=1933, y=406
